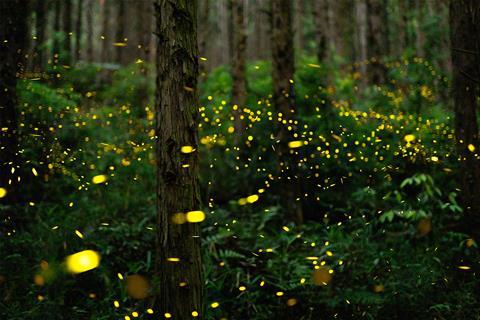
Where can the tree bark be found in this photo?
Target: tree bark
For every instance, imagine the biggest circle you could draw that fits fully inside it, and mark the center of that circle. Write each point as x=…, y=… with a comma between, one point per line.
x=67, y=31
x=40, y=23
x=13, y=34
x=78, y=29
x=239, y=69
x=377, y=45
x=361, y=22
x=203, y=34
x=56, y=31
x=120, y=30
x=320, y=20
x=283, y=67
x=465, y=42
x=179, y=283
x=90, y=30
x=105, y=31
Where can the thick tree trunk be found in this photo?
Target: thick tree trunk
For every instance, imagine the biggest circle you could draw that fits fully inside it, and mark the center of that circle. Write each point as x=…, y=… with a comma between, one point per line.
x=320, y=20
x=120, y=25
x=40, y=23
x=179, y=283
x=67, y=30
x=90, y=30
x=283, y=67
x=377, y=46
x=13, y=33
x=465, y=42
x=239, y=69
x=78, y=29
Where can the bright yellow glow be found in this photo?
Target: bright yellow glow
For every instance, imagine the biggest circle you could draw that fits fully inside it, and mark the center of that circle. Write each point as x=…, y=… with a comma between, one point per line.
x=409, y=138
x=150, y=311
x=173, y=259
x=279, y=293
x=116, y=304
x=83, y=261
x=195, y=216
x=295, y=144
x=471, y=147
x=187, y=149
x=34, y=171
x=194, y=314
x=242, y=288
x=215, y=305
x=168, y=315
x=99, y=179
x=3, y=192
x=253, y=198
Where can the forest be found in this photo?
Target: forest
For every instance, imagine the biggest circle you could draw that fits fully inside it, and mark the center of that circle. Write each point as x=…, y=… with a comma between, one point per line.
x=239, y=159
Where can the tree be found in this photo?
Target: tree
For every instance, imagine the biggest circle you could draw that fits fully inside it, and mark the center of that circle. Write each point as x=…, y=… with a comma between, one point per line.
x=179, y=283
x=56, y=31
x=67, y=31
x=283, y=67
x=362, y=49
x=377, y=40
x=239, y=85
x=105, y=30
x=465, y=42
x=78, y=29
x=120, y=30
x=90, y=31
x=320, y=20
x=40, y=23
x=13, y=33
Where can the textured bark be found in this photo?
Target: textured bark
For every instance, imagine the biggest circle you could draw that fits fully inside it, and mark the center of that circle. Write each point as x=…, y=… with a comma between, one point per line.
x=120, y=35
x=78, y=29
x=420, y=39
x=239, y=85
x=40, y=23
x=178, y=189
x=377, y=45
x=67, y=31
x=13, y=33
x=90, y=31
x=320, y=20
x=465, y=41
x=283, y=67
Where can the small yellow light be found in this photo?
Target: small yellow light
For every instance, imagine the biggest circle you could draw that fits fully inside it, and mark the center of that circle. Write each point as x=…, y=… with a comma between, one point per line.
x=34, y=171
x=242, y=288
x=471, y=147
x=195, y=216
x=116, y=304
x=99, y=179
x=215, y=305
x=464, y=267
x=295, y=144
x=231, y=130
x=279, y=293
x=194, y=314
x=135, y=314
x=83, y=261
x=3, y=192
x=409, y=138
x=187, y=149
x=173, y=259
x=168, y=315
x=79, y=234
x=434, y=158
x=150, y=311
x=253, y=198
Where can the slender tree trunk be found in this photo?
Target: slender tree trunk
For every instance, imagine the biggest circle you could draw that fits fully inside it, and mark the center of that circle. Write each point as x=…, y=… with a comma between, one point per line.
x=320, y=20
x=40, y=23
x=90, y=30
x=239, y=69
x=299, y=35
x=120, y=25
x=465, y=42
x=179, y=283
x=283, y=67
x=376, y=41
x=361, y=22
x=204, y=29
x=13, y=33
x=78, y=29
x=67, y=30
x=56, y=31
x=420, y=39
x=106, y=31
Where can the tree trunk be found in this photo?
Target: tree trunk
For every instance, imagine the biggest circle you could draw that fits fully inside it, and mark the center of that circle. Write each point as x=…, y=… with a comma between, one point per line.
x=78, y=29
x=376, y=41
x=420, y=39
x=40, y=23
x=465, y=41
x=67, y=31
x=203, y=34
x=179, y=283
x=90, y=31
x=361, y=22
x=13, y=34
x=56, y=31
x=299, y=35
x=283, y=67
x=239, y=80
x=320, y=20
x=105, y=31
x=120, y=30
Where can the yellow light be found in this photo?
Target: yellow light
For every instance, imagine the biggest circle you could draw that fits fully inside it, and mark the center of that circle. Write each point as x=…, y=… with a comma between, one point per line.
x=434, y=158
x=187, y=149
x=34, y=171
x=279, y=293
x=168, y=315
x=99, y=179
x=231, y=129
x=409, y=138
x=471, y=147
x=135, y=314
x=215, y=305
x=3, y=192
x=79, y=234
x=242, y=288
x=295, y=144
x=253, y=198
x=194, y=314
x=464, y=267
x=83, y=261
x=195, y=216
x=116, y=304
x=150, y=311
x=173, y=259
